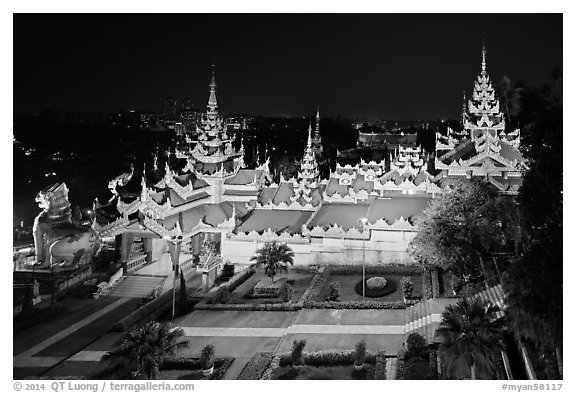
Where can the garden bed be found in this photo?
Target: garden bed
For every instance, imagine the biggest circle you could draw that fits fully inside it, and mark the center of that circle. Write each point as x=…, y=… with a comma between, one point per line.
x=323, y=372
x=299, y=279
x=351, y=276
x=183, y=369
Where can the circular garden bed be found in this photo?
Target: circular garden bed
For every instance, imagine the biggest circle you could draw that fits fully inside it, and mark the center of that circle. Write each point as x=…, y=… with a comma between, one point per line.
x=376, y=287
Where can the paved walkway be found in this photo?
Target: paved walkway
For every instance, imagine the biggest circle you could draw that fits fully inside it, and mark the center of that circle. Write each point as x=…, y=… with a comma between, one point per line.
x=43, y=350
x=27, y=359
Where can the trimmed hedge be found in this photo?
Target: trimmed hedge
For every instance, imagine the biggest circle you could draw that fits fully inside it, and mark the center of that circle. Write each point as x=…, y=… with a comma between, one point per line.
x=220, y=365
x=327, y=358
x=314, y=290
x=249, y=307
x=388, y=269
x=256, y=366
x=380, y=367
x=388, y=289
x=240, y=278
x=360, y=305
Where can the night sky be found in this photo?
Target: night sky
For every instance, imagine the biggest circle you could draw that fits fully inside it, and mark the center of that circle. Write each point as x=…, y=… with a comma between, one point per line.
x=355, y=65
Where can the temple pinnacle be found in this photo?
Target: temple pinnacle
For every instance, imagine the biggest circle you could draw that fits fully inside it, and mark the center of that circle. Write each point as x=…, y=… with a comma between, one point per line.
x=483, y=55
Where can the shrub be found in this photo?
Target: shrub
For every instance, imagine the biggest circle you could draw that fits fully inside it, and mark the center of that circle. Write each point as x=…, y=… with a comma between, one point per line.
x=380, y=367
x=256, y=366
x=228, y=270
x=334, y=295
x=360, y=352
x=416, y=368
x=207, y=356
x=297, y=349
x=457, y=284
x=407, y=287
x=286, y=293
x=369, y=292
x=376, y=283
x=416, y=345
x=83, y=291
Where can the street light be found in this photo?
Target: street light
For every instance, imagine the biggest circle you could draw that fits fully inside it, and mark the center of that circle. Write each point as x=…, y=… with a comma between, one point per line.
x=174, y=246
x=364, y=221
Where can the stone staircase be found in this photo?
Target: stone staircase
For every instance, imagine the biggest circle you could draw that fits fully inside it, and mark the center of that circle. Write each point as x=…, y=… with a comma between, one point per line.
x=425, y=316
x=494, y=295
x=136, y=286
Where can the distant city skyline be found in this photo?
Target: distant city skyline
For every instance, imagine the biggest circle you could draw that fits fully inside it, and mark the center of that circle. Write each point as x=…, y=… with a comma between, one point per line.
x=355, y=65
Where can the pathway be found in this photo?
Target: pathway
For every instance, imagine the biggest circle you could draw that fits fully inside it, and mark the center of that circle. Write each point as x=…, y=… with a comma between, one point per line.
x=43, y=350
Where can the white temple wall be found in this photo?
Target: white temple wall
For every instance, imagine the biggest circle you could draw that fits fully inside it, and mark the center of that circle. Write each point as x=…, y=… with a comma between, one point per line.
x=240, y=251
x=383, y=247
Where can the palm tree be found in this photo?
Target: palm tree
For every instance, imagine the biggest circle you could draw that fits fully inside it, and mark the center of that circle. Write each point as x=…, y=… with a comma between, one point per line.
x=472, y=337
x=274, y=257
x=142, y=349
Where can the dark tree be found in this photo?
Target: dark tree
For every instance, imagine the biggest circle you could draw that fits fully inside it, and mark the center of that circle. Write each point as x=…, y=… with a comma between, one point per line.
x=472, y=338
x=534, y=283
x=141, y=351
x=467, y=223
x=182, y=295
x=275, y=257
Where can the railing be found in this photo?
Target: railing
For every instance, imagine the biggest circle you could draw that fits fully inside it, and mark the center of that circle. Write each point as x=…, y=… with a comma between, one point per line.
x=135, y=263
x=188, y=265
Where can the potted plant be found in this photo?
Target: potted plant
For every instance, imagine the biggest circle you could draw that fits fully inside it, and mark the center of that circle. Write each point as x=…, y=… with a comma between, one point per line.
x=359, y=355
x=207, y=360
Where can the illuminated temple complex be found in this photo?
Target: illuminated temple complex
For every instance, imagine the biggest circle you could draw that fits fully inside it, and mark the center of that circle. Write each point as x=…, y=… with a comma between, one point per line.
x=212, y=195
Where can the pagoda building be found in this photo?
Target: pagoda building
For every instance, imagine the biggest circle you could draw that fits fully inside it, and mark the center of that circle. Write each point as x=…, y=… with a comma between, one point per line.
x=486, y=150
x=213, y=153
x=309, y=172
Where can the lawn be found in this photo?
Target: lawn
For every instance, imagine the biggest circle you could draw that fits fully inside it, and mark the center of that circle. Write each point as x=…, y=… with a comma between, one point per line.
x=324, y=372
x=301, y=278
x=348, y=293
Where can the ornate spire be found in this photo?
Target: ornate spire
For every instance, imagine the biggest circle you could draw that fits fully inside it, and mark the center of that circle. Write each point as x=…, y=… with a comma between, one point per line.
x=483, y=55
x=309, y=143
x=212, y=101
x=144, y=191
x=317, y=137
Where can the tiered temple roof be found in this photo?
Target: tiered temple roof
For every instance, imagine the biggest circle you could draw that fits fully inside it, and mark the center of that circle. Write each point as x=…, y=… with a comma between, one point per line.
x=488, y=151
x=213, y=153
